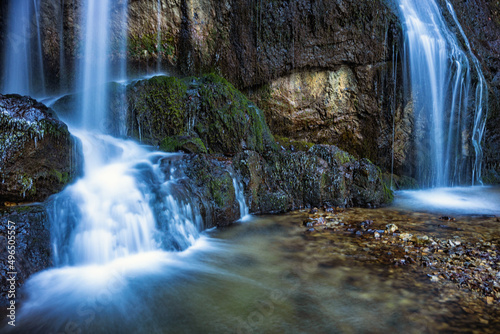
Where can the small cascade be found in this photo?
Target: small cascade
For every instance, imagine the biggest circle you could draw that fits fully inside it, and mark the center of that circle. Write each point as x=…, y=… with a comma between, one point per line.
x=63, y=76
x=394, y=107
x=240, y=197
x=439, y=72
x=120, y=35
x=23, y=59
x=129, y=201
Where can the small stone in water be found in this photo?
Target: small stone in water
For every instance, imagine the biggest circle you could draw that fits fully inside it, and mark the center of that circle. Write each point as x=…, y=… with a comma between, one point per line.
x=405, y=236
x=391, y=228
x=376, y=235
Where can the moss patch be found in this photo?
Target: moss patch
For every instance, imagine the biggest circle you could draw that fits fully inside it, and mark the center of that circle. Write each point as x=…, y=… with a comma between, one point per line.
x=208, y=108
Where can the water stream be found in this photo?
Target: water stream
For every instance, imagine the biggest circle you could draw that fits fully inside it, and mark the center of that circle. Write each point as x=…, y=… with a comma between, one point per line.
x=449, y=131
x=23, y=71
x=132, y=254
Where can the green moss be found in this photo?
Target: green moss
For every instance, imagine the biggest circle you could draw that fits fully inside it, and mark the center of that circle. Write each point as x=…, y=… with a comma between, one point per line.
x=63, y=177
x=146, y=45
x=183, y=143
x=293, y=145
x=343, y=157
x=208, y=108
x=158, y=105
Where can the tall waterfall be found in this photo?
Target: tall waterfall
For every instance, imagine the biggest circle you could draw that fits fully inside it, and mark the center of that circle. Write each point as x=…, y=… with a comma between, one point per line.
x=23, y=64
x=94, y=72
x=448, y=129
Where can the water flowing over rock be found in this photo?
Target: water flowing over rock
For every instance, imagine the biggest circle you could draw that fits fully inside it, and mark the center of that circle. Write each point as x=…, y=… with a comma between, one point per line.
x=449, y=111
x=38, y=156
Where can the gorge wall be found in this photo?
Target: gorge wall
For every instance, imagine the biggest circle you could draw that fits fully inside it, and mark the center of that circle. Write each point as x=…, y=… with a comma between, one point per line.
x=322, y=71
x=326, y=72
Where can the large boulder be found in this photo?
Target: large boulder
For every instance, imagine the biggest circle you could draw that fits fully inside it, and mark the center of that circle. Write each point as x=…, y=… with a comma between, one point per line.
x=196, y=115
x=322, y=176
x=38, y=156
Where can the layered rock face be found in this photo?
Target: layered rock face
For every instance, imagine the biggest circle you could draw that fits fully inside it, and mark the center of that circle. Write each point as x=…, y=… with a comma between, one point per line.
x=38, y=156
x=321, y=71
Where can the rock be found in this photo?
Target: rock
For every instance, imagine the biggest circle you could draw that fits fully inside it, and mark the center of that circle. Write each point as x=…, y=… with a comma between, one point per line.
x=391, y=228
x=33, y=247
x=187, y=144
x=405, y=236
x=211, y=184
x=38, y=156
x=285, y=181
x=197, y=115
x=376, y=235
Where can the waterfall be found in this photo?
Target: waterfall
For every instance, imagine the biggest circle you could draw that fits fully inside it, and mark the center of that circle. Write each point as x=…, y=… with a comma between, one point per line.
x=481, y=103
x=114, y=210
x=130, y=199
x=159, y=46
x=240, y=197
x=23, y=59
x=440, y=74
x=94, y=65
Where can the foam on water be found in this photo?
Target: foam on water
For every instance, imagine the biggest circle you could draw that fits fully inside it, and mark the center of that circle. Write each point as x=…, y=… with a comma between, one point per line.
x=449, y=201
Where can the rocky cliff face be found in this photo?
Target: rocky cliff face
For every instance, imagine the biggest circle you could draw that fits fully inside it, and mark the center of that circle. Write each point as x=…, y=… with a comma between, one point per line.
x=322, y=71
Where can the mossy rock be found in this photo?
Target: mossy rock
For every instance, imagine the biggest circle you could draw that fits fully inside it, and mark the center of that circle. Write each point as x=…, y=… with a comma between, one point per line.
x=208, y=108
x=38, y=156
x=186, y=144
x=156, y=109
x=292, y=145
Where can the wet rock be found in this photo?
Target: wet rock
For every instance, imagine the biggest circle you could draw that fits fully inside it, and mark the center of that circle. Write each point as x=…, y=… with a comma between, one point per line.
x=319, y=177
x=391, y=228
x=405, y=236
x=33, y=247
x=197, y=115
x=38, y=156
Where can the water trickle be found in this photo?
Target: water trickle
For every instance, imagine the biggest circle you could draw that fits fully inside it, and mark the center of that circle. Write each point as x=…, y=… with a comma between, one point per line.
x=440, y=87
x=481, y=104
x=240, y=197
x=159, y=47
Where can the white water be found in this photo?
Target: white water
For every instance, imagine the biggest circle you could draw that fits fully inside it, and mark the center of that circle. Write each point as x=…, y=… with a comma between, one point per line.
x=114, y=210
x=477, y=200
x=240, y=197
x=481, y=103
x=94, y=67
x=441, y=85
x=23, y=65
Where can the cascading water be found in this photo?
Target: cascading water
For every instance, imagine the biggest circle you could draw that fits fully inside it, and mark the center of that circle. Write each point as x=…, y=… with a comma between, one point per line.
x=441, y=82
x=23, y=64
x=94, y=65
x=126, y=192
x=240, y=197
x=481, y=103
x=113, y=211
